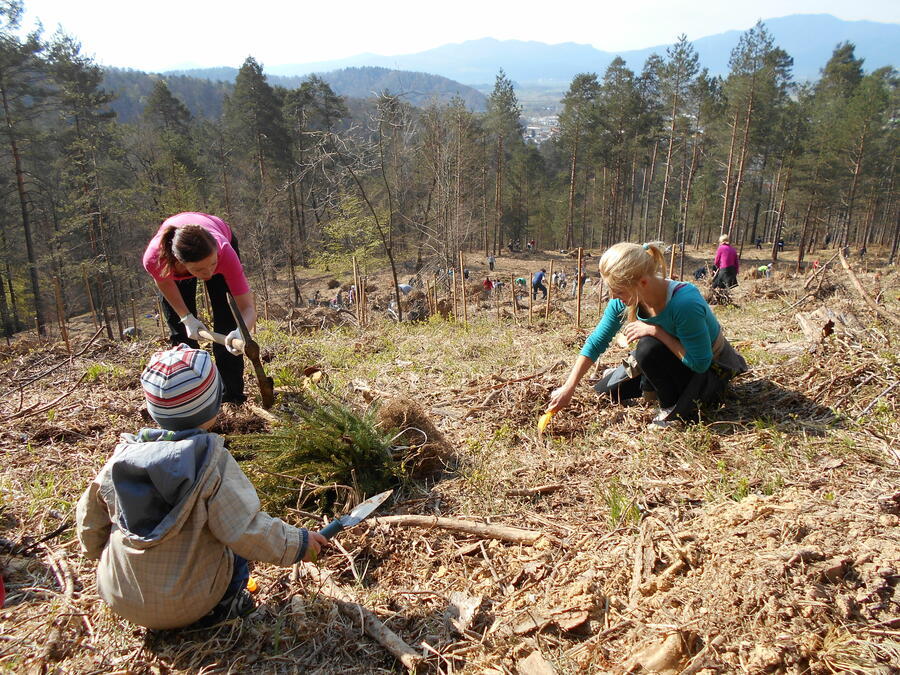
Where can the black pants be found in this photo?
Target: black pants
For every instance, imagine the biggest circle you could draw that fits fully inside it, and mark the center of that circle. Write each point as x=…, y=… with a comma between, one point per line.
x=539, y=287
x=726, y=277
x=661, y=371
x=231, y=367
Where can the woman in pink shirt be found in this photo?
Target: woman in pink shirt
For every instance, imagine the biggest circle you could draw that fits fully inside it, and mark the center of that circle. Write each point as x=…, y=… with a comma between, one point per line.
x=726, y=261
x=190, y=246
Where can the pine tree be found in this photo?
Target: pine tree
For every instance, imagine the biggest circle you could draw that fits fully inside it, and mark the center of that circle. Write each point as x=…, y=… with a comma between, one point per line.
x=502, y=123
x=21, y=95
x=577, y=122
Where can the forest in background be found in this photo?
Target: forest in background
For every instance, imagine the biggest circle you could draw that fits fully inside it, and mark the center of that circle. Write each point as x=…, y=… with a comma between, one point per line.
x=306, y=177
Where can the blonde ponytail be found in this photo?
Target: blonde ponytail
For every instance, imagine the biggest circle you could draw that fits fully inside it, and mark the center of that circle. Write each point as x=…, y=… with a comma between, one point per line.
x=623, y=264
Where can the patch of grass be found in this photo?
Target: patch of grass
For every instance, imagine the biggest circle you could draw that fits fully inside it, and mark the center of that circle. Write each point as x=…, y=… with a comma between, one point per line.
x=621, y=505
x=46, y=491
x=96, y=371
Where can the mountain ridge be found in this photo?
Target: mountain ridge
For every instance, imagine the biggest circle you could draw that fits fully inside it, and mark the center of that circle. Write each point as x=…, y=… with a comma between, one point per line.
x=808, y=38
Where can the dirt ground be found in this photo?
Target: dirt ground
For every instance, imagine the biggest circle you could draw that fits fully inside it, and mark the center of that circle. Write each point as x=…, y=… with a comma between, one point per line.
x=762, y=539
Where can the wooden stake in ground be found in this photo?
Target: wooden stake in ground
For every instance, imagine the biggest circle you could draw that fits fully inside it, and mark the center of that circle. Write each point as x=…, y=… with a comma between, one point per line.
x=672, y=259
x=462, y=286
x=530, y=298
x=61, y=314
x=90, y=297
x=160, y=318
x=578, y=288
x=600, y=299
x=512, y=293
x=549, y=294
x=356, y=291
x=434, y=295
x=373, y=627
x=454, y=311
x=364, y=299
x=134, y=317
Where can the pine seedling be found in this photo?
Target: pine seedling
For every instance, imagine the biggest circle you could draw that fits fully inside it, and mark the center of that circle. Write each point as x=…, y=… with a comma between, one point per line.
x=323, y=444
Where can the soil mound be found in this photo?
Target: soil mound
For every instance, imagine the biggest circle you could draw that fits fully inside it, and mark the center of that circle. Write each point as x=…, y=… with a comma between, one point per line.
x=430, y=452
x=318, y=318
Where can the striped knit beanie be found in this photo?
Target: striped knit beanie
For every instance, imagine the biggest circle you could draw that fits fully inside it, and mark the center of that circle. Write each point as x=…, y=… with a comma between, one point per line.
x=182, y=387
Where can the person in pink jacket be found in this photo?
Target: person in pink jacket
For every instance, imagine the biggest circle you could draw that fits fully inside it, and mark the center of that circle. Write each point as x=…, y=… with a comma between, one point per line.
x=726, y=262
x=190, y=246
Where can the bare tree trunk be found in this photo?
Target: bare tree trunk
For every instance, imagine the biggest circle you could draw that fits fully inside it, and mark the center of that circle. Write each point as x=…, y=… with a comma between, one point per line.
x=498, y=196
x=801, y=251
x=631, y=201
x=23, y=206
x=687, y=201
x=292, y=244
x=745, y=144
x=726, y=197
x=484, y=218
x=888, y=205
x=857, y=169
x=779, y=220
x=892, y=258
x=700, y=223
x=665, y=190
x=570, y=225
x=647, y=195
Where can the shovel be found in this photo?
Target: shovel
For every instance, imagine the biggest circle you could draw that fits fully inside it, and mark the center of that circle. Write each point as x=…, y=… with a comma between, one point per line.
x=251, y=351
x=356, y=516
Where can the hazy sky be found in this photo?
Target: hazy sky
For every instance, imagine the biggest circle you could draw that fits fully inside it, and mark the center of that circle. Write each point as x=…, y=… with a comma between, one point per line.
x=163, y=34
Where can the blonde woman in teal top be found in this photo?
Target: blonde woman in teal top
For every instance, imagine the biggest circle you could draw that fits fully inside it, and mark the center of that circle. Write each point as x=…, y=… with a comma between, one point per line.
x=682, y=357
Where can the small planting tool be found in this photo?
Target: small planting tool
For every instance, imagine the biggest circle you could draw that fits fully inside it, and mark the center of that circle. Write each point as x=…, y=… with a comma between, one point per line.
x=356, y=516
x=544, y=421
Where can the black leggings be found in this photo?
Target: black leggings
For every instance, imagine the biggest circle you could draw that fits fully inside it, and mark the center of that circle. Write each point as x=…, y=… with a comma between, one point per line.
x=661, y=371
x=231, y=367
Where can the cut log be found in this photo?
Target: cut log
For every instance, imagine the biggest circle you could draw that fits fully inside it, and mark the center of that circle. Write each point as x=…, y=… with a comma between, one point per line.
x=530, y=492
x=502, y=532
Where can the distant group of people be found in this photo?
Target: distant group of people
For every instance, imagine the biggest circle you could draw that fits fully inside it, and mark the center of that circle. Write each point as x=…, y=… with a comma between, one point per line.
x=514, y=246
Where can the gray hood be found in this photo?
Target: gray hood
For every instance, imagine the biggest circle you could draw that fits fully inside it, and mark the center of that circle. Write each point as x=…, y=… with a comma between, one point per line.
x=153, y=477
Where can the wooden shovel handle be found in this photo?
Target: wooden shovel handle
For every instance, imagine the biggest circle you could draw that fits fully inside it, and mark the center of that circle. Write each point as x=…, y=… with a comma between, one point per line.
x=209, y=335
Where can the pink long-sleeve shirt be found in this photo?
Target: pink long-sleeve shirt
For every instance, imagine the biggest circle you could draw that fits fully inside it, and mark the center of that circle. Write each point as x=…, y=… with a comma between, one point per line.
x=229, y=265
x=726, y=256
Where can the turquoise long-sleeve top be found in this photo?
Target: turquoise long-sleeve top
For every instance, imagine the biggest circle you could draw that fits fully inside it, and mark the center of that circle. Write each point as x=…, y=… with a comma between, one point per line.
x=686, y=316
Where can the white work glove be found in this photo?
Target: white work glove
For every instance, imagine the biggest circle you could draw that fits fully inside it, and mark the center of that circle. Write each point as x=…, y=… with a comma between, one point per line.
x=234, y=335
x=193, y=326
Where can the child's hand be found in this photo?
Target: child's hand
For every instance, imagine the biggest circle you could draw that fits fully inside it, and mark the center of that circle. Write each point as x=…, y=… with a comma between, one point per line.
x=314, y=545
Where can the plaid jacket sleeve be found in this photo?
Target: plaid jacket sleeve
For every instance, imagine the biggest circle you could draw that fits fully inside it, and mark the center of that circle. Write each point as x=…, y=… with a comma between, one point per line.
x=93, y=522
x=235, y=519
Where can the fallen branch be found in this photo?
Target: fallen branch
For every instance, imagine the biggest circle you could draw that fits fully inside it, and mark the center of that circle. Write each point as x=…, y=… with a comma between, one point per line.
x=875, y=400
x=524, y=378
x=865, y=296
x=262, y=412
x=53, y=642
x=28, y=412
x=819, y=271
x=504, y=533
x=68, y=359
x=530, y=492
x=373, y=627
